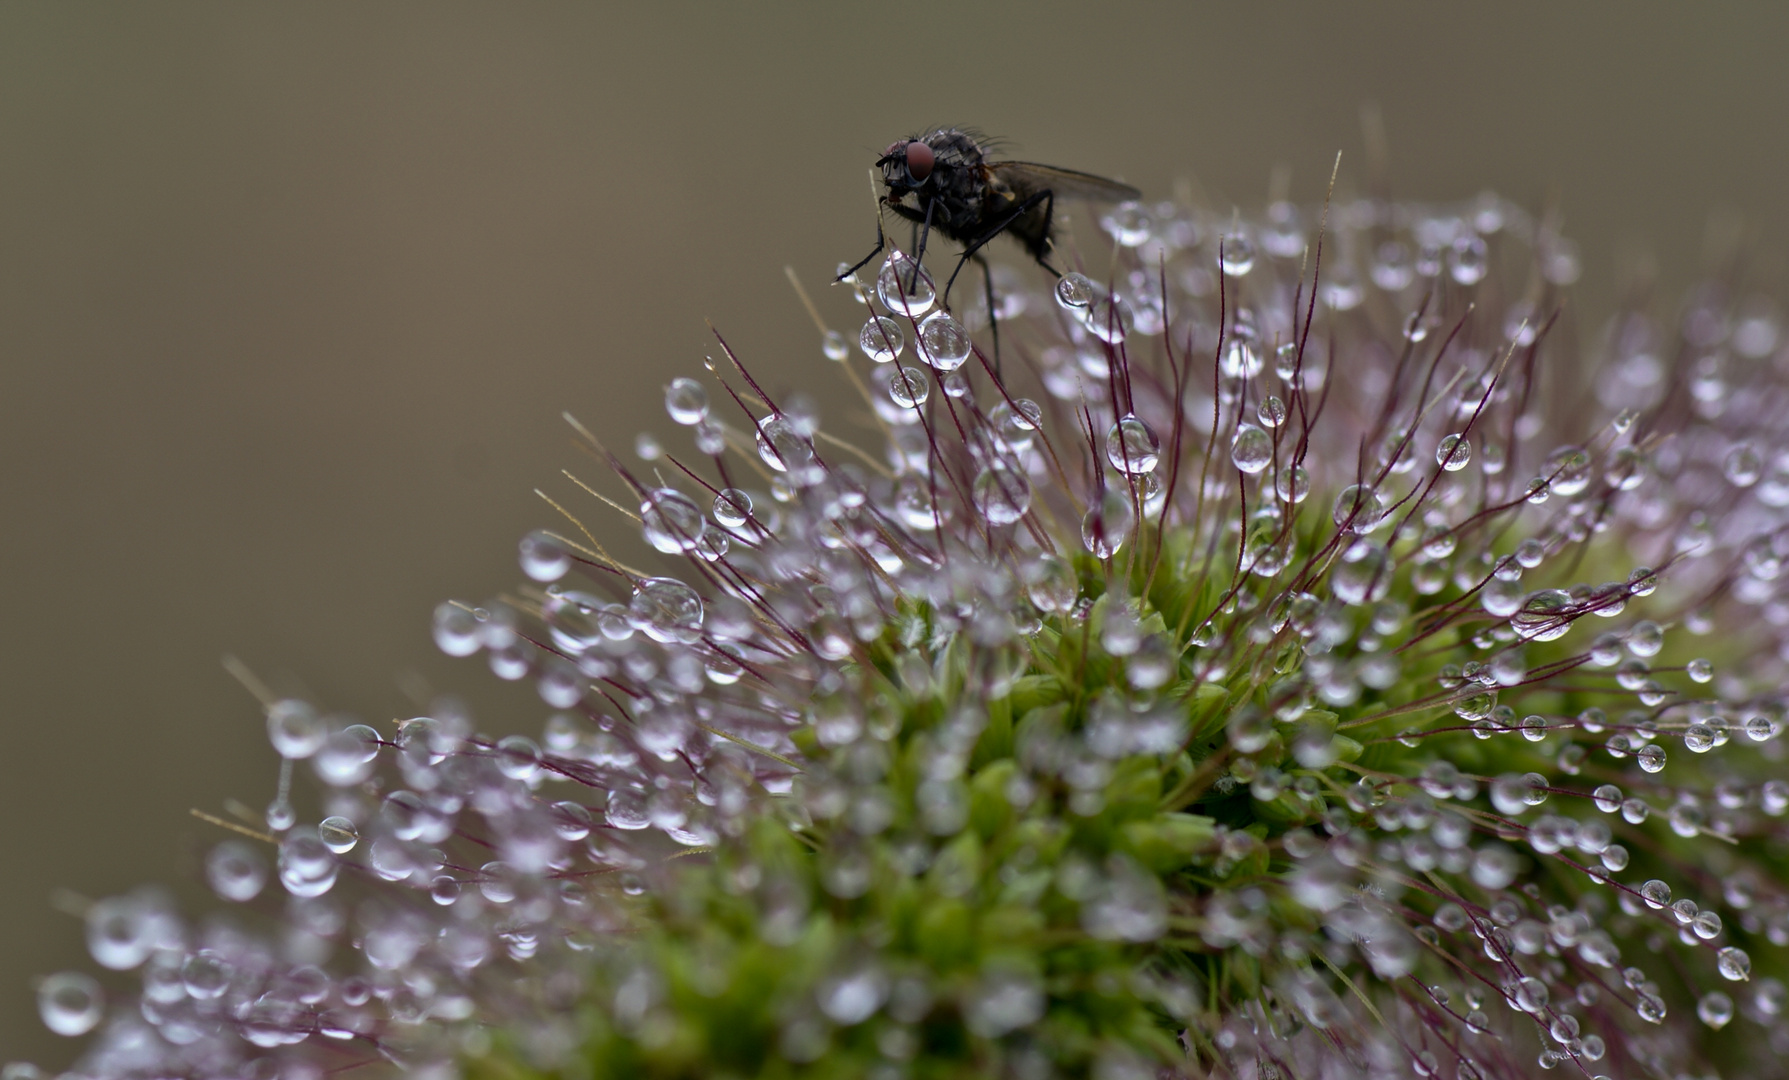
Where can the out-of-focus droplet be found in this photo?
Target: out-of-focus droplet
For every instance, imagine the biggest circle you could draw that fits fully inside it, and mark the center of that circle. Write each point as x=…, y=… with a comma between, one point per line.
x=70, y=1003
x=686, y=402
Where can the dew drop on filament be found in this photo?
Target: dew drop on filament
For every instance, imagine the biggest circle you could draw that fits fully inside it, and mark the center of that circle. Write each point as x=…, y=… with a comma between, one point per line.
x=904, y=287
x=1132, y=447
x=1252, y=449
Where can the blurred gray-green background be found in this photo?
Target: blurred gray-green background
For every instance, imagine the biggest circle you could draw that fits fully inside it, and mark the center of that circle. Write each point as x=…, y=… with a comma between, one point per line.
x=291, y=297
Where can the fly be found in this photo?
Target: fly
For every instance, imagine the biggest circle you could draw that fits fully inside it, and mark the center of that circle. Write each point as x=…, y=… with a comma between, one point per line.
x=943, y=180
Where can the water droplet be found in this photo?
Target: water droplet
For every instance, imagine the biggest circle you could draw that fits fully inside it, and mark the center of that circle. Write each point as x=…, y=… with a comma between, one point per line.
x=1567, y=471
x=1699, y=671
x=1128, y=223
x=1271, y=412
x=909, y=388
x=666, y=610
x=1651, y=757
x=1106, y=527
x=1531, y=995
x=1733, y=964
x=904, y=287
x=295, y=729
x=235, y=871
x=1454, y=453
x=732, y=508
x=1075, y=291
x=834, y=346
x=853, y=997
x=306, y=867
x=338, y=834
x=1051, y=583
x=70, y=1003
x=782, y=447
x=456, y=630
x=1292, y=484
x=1363, y=575
x=1358, y=509
x=1239, y=360
x=1252, y=449
x=518, y=757
x=1002, y=494
x=1236, y=255
x=671, y=521
x=1715, y=1009
x=1003, y=1002
x=1111, y=319
x=280, y=815
x=543, y=557
x=686, y=402
x=881, y=339
x=1468, y=260
x=943, y=343
x=1132, y=447
x=1743, y=466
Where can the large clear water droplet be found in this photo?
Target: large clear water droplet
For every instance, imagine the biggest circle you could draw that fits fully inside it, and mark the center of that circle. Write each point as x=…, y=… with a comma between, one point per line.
x=338, y=834
x=881, y=339
x=904, y=287
x=782, y=447
x=732, y=508
x=1075, y=292
x=1292, y=485
x=943, y=343
x=1132, y=447
x=1252, y=449
x=909, y=388
x=1454, y=453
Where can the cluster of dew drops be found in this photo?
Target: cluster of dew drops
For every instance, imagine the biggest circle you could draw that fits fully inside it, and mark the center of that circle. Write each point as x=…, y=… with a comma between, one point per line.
x=1186, y=392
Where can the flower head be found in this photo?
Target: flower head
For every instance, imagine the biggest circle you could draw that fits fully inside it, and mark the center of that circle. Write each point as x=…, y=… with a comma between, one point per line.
x=1290, y=657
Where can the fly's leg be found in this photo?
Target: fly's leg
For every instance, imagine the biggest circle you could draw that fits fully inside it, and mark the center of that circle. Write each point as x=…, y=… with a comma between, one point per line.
x=987, y=276
x=1046, y=197
x=881, y=242
x=919, y=257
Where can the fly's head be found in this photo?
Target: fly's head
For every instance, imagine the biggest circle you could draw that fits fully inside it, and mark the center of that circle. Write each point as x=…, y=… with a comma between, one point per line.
x=907, y=166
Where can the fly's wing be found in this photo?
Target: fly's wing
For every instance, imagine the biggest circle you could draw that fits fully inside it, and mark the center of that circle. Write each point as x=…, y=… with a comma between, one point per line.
x=1025, y=178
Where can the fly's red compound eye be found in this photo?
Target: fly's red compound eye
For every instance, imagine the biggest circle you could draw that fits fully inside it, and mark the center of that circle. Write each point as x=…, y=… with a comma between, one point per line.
x=920, y=160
